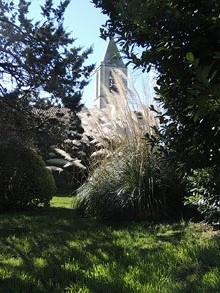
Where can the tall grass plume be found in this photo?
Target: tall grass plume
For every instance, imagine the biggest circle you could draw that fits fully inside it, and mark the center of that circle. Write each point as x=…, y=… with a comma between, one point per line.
x=127, y=180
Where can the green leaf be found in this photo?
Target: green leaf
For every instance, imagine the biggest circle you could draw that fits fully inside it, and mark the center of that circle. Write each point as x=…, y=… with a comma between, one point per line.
x=190, y=57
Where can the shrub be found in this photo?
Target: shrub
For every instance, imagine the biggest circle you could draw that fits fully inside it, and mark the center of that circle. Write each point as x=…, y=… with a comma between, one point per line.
x=204, y=193
x=24, y=180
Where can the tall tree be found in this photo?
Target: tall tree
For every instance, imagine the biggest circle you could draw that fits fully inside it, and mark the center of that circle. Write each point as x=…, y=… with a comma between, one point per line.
x=39, y=67
x=181, y=40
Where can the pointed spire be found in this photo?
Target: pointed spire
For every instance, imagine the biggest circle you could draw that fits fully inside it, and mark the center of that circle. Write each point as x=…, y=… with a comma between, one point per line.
x=112, y=55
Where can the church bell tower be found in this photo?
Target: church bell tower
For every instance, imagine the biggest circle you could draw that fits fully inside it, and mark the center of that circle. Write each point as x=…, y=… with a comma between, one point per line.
x=111, y=65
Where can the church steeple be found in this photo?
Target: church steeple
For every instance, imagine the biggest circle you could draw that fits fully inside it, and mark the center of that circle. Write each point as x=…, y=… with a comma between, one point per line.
x=112, y=55
x=112, y=62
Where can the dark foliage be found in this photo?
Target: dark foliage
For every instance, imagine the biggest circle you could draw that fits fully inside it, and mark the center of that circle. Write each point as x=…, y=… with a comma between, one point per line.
x=204, y=193
x=39, y=68
x=181, y=39
x=24, y=180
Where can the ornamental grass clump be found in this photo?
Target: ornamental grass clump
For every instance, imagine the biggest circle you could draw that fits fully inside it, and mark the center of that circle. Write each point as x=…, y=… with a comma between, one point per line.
x=128, y=179
x=131, y=187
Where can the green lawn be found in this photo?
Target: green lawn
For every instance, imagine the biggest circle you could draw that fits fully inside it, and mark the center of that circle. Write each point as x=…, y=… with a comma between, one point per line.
x=53, y=250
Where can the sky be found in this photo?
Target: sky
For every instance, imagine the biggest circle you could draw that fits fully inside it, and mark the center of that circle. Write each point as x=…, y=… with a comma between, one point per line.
x=84, y=20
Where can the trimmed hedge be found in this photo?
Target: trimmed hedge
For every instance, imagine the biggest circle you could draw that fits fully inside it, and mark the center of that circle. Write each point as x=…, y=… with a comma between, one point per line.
x=24, y=180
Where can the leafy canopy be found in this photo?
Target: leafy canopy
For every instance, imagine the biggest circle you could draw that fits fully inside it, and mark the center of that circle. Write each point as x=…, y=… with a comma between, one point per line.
x=181, y=40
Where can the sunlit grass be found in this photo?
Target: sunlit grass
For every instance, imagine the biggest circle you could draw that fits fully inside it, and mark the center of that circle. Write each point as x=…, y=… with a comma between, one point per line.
x=63, y=201
x=54, y=250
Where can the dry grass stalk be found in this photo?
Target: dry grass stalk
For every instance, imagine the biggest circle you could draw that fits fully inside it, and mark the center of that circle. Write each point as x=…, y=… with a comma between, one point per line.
x=127, y=180
x=124, y=121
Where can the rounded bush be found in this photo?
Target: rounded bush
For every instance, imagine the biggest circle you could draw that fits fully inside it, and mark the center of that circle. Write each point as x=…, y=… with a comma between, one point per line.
x=24, y=180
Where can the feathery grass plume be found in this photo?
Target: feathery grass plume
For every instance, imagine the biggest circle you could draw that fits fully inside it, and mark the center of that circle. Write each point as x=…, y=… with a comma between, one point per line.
x=125, y=118
x=65, y=161
x=128, y=180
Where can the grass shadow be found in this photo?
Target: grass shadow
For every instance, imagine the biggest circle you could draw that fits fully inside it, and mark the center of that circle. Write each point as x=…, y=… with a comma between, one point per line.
x=54, y=250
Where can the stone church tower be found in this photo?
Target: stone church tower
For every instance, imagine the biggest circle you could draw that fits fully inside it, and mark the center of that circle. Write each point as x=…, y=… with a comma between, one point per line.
x=112, y=64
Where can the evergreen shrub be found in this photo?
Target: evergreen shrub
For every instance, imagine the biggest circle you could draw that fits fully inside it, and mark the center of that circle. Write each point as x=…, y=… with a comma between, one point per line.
x=204, y=193
x=24, y=180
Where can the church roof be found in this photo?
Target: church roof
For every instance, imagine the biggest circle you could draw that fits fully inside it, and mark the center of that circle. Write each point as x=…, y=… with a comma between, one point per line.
x=112, y=55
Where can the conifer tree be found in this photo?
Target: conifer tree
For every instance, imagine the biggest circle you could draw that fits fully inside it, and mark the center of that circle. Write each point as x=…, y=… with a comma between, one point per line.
x=40, y=68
